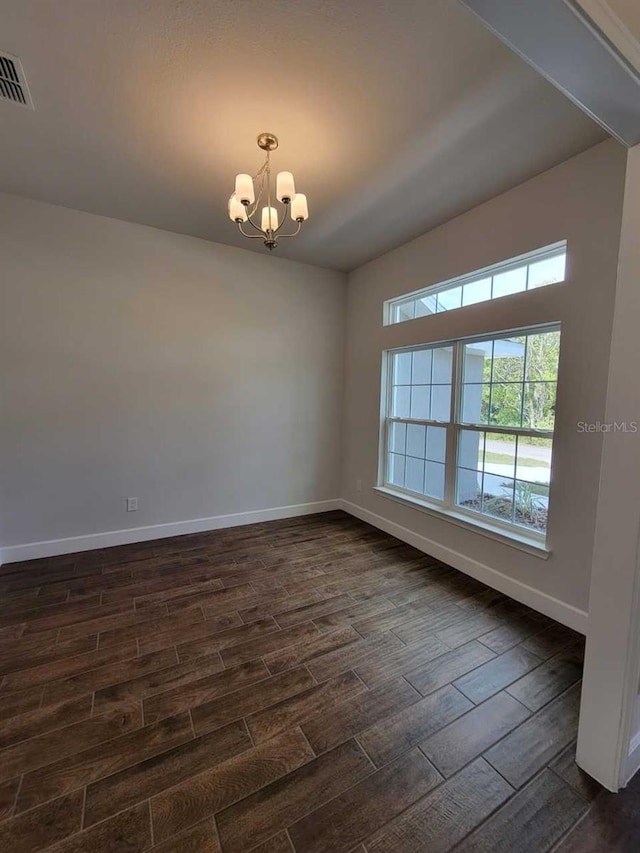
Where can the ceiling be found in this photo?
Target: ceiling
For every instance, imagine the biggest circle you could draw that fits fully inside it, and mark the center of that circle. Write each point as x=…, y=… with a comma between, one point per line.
x=393, y=115
x=628, y=13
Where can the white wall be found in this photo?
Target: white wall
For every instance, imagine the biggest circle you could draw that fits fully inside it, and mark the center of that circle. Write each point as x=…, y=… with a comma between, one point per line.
x=581, y=201
x=609, y=734
x=200, y=378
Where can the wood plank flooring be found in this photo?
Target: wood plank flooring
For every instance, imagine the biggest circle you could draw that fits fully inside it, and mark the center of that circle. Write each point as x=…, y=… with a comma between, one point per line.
x=303, y=686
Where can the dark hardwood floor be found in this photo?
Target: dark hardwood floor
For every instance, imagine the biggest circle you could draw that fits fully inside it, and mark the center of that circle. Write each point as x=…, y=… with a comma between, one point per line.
x=308, y=685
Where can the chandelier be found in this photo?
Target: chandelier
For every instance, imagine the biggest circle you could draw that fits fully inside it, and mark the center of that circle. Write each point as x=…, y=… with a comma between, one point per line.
x=245, y=201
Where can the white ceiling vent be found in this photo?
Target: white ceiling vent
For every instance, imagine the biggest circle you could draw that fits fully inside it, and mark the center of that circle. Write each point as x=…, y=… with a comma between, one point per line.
x=13, y=85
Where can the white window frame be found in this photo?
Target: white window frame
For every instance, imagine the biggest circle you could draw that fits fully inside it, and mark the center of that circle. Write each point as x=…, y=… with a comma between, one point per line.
x=514, y=533
x=526, y=260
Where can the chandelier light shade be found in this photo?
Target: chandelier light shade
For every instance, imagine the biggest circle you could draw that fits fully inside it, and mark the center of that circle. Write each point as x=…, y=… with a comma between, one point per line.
x=244, y=189
x=285, y=187
x=237, y=211
x=257, y=193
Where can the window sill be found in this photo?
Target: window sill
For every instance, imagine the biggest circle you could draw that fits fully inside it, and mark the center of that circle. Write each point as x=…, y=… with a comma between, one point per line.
x=522, y=542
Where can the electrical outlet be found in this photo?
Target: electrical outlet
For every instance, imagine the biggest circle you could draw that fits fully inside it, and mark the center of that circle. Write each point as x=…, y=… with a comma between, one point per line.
x=132, y=504
x=358, y=485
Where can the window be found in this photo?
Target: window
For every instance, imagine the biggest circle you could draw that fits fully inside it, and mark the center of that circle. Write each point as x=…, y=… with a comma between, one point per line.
x=526, y=272
x=469, y=427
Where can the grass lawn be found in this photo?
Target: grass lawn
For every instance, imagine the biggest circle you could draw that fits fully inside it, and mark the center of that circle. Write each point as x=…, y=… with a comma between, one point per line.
x=505, y=459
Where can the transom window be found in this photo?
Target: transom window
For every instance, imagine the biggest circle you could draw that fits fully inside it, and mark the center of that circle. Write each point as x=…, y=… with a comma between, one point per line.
x=469, y=426
x=526, y=272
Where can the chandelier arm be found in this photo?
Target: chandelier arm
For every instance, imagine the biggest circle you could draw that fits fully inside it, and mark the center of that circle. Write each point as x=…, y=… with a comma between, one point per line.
x=253, y=224
x=295, y=233
x=284, y=218
x=250, y=236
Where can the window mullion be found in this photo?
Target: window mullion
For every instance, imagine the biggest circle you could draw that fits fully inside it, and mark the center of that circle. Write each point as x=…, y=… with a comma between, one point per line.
x=452, y=432
x=419, y=421
x=524, y=373
x=508, y=430
x=388, y=409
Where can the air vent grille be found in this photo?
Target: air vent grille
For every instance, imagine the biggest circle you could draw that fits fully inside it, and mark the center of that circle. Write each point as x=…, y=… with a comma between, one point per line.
x=13, y=86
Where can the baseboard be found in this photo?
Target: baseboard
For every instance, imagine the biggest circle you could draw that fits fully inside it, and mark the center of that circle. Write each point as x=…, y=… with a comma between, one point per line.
x=568, y=615
x=92, y=541
x=550, y=606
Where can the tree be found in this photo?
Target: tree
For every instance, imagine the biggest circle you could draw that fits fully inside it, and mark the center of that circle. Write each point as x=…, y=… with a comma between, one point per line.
x=523, y=391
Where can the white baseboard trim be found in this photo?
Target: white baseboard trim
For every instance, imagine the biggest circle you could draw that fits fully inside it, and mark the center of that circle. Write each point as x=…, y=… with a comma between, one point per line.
x=92, y=541
x=568, y=615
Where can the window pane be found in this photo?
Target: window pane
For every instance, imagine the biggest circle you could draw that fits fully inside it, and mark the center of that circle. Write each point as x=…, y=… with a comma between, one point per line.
x=405, y=311
x=413, y=394
x=548, y=271
x=471, y=449
x=436, y=444
x=397, y=437
x=539, y=406
x=395, y=469
x=420, y=402
x=544, y=266
x=500, y=455
x=470, y=469
x=476, y=291
x=477, y=361
x=497, y=496
x=534, y=460
x=506, y=404
x=400, y=406
x=402, y=368
x=505, y=363
x=543, y=350
x=513, y=281
x=414, y=480
x=531, y=505
x=475, y=403
x=485, y=481
x=442, y=364
x=441, y=402
x=416, y=440
x=469, y=489
x=426, y=305
x=508, y=359
x=434, y=480
x=450, y=299
x=422, y=367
